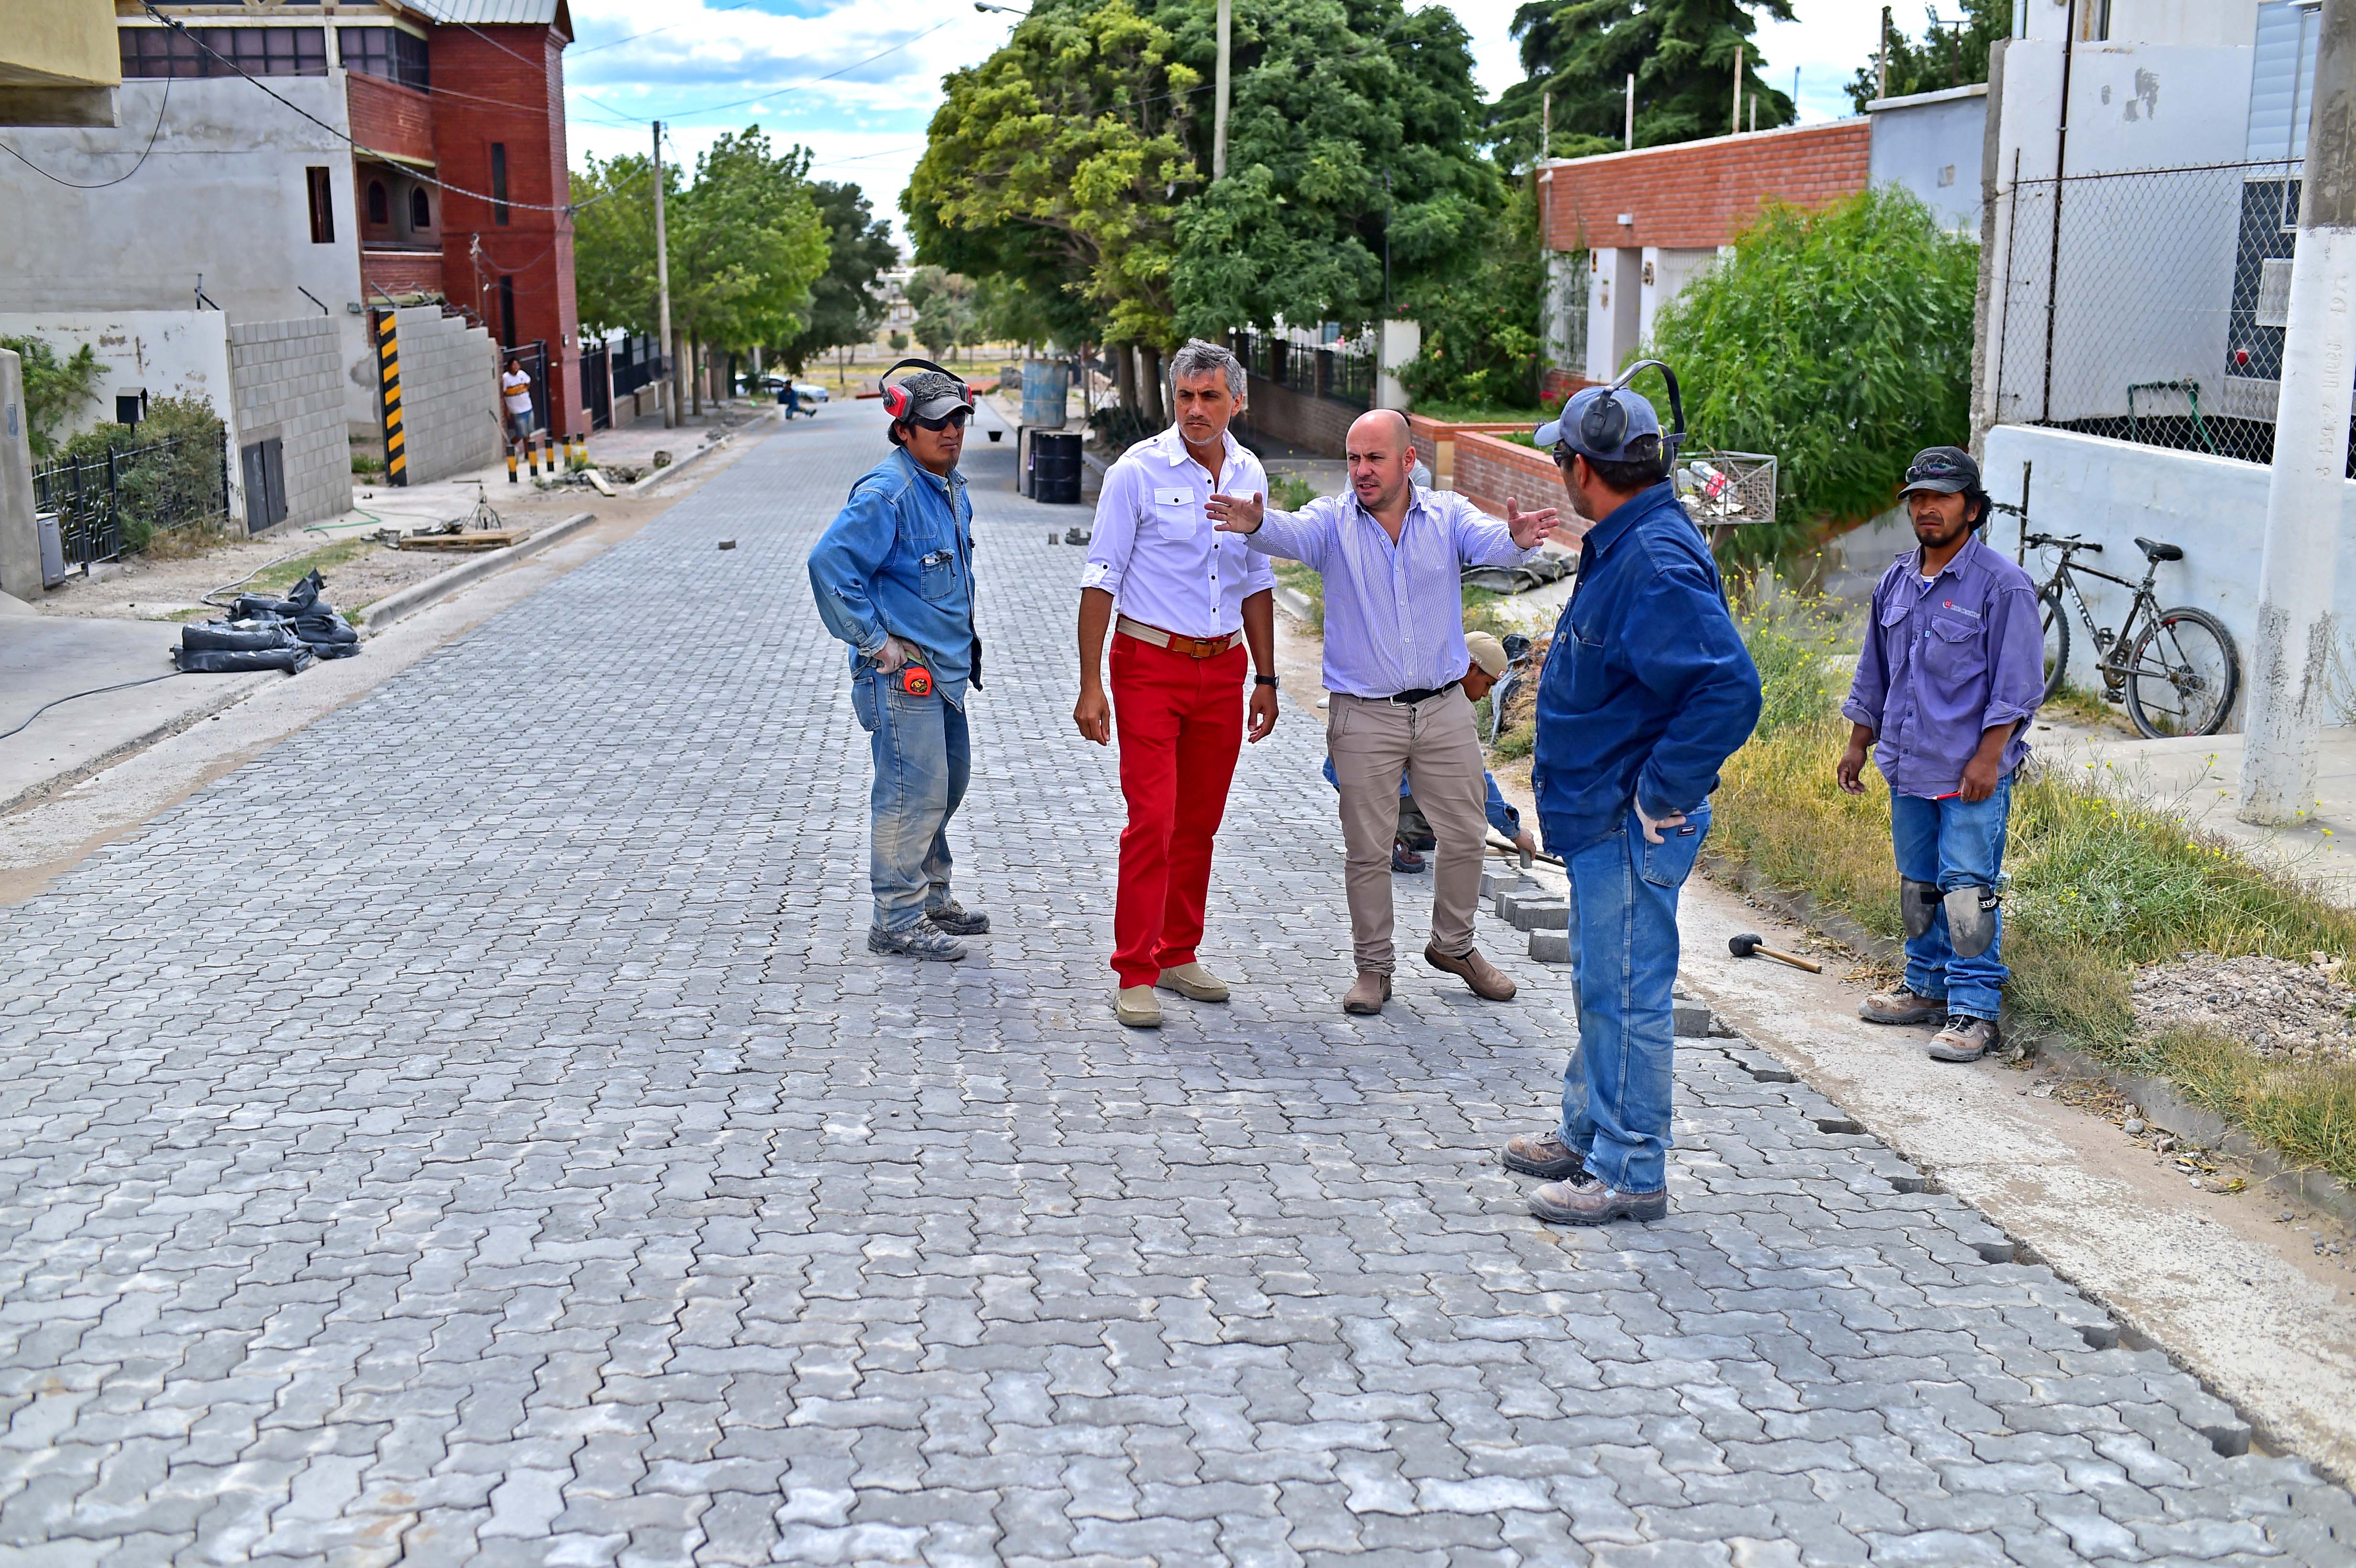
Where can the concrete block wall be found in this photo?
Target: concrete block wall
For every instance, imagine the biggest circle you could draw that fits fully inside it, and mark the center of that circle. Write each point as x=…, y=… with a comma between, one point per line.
x=449, y=394
x=286, y=380
x=1315, y=424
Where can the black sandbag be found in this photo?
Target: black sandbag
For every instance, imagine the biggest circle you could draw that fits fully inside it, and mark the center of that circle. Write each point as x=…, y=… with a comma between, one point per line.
x=215, y=636
x=260, y=607
x=293, y=660
x=320, y=630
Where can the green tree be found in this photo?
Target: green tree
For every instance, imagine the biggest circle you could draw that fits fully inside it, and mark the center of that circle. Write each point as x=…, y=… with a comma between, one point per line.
x=1580, y=52
x=1059, y=162
x=1480, y=331
x=1840, y=341
x=945, y=309
x=54, y=388
x=845, y=304
x=1948, y=56
x=1354, y=178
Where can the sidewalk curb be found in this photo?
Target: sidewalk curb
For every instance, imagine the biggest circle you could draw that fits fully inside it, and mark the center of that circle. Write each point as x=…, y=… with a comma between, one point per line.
x=2161, y=1102
x=227, y=694
x=374, y=618
x=666, y=475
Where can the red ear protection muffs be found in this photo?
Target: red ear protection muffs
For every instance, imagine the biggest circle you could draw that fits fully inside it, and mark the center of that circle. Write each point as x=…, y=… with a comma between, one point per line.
x=895, y=397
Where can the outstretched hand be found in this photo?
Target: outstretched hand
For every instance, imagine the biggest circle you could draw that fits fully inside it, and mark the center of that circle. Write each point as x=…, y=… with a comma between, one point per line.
x=1527, y=527
x=1236, y=513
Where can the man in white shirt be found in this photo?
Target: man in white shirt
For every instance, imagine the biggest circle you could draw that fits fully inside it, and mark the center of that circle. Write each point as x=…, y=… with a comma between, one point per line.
x=515, y=385
x=1182, y=603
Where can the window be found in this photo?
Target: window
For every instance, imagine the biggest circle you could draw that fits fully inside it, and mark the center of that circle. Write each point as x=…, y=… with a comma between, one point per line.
x=498, y=182
x=323, y=206
x=387, y=53
x=379, y=205
x=151, y=52
x=507, y=312
x=421, y=210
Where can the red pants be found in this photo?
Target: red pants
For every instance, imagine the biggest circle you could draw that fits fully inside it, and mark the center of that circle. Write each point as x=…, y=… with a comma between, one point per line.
x=1181, y=725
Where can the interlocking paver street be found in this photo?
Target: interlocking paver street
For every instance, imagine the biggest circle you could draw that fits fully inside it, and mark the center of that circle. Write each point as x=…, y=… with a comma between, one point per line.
x=474, y=1132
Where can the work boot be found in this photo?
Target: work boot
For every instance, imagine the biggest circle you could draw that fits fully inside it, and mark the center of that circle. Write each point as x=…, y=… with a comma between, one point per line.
x=1902, y=1007
x=1966, y=1038
x=1137, y=1006
x=922, y=940
x=1192, y=981
x=956, y=919
x=1403, y=858
x=1584, y=1201
x=1367, y=997
x=1544, y=1154
x=1488, y=982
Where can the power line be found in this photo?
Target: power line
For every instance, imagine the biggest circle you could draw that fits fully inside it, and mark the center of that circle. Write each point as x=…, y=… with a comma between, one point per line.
x=101, y=184
x=650, y=32
x=344, y=137
x=809, y=81
x=538, y=65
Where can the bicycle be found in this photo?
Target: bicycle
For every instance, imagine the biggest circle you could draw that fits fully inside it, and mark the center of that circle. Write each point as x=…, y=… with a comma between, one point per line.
x=2176, y=669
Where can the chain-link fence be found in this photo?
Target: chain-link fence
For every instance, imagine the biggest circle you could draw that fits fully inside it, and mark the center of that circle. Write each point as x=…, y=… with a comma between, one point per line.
x=2150, y=306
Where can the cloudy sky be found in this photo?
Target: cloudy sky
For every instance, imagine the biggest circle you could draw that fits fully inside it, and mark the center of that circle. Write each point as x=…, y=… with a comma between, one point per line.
x=857, y=80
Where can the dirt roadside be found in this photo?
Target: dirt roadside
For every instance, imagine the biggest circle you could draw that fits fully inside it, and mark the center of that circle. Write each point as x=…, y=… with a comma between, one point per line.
x=2256, y=1305
x=49, y=836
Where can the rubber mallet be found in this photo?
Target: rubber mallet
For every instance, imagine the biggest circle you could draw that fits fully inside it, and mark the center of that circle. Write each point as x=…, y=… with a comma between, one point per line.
x=1749, y=942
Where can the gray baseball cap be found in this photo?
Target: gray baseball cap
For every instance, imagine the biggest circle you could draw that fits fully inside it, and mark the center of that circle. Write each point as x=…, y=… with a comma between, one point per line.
x=932, y=395
x=1942, y=470
x=1563, y=429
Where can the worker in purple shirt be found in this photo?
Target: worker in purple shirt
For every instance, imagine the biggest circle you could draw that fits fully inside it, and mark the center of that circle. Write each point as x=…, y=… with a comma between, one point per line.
x=1953, y=666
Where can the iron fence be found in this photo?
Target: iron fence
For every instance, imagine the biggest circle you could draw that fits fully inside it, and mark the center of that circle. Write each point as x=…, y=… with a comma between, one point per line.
x=2149, y=305
x=118, y=499
x=1337, y=369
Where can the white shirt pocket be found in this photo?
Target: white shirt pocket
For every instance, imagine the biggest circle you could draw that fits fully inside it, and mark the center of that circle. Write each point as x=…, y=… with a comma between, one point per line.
x=1176, y=511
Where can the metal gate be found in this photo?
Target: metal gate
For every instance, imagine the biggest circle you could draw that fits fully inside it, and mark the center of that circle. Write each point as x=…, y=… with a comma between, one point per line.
x=597, y=386
x=264, y=465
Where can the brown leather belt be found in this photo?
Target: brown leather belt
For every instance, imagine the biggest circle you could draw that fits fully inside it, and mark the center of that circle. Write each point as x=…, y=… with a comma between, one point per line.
x=1192, y=647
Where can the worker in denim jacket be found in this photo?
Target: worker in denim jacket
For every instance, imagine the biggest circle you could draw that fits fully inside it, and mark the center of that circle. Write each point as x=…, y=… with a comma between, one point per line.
x=894, y=577
x=1953, y=666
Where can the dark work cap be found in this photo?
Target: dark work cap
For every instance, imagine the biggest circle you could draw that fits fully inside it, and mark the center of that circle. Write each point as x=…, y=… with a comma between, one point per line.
x=1942, y=470
x=932, y=395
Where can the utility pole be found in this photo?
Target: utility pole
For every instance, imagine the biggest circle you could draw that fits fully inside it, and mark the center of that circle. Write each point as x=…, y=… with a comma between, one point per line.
x=2288, y=684
x=1545, y=125
x=1882, y=59
x=1741, y=53
x=1631, y=143
x=1219, y=94
x=668, y=396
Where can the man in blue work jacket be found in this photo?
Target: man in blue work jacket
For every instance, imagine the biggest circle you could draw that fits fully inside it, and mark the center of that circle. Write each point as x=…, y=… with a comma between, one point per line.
x=1647, y=692
x=894, y=576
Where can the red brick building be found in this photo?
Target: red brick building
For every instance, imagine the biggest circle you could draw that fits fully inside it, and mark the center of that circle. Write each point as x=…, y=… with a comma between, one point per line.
x=456, y=112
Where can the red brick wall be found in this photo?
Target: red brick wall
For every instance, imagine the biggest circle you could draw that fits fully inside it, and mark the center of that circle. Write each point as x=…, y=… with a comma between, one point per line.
x=1699, y=194
x=400, y=273
x=1314, y=424
x=387, y=118
x=513, y=79
x=1489, y=472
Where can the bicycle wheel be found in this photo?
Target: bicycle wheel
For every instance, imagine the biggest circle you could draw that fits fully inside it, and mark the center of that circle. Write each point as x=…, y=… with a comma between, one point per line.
x=2055, y=618
x=2183, y=674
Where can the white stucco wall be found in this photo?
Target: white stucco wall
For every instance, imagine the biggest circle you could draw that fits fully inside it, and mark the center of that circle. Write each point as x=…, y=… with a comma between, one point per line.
x=1666, y=272
x=2109, y=491
x=1931, y=144
x=1614, y=297
x=224, y=194
x=165, y=354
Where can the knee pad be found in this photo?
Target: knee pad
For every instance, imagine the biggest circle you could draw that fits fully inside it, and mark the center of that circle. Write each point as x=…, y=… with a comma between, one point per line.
x=1971, y=921
x=1915, y=902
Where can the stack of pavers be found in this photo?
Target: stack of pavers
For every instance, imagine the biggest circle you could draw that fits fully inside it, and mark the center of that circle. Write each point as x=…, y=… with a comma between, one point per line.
x=262, y=632
x=1527, y=903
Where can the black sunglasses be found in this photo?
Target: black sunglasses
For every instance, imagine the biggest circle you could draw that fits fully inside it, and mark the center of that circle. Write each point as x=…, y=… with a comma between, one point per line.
x=1934, y=468
x=958, y=416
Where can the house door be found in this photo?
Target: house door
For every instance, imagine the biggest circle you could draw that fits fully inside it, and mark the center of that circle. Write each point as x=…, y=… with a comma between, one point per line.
x=266, y=483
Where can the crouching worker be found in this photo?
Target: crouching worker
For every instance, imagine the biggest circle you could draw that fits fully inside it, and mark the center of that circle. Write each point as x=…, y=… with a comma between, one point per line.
x=1953, y=666
x=894, y=577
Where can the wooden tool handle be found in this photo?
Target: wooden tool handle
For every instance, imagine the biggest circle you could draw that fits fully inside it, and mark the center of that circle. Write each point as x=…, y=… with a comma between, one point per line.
x=1794, y=959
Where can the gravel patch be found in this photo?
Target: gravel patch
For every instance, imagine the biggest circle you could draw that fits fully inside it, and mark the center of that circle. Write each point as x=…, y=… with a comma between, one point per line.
x=2294, y=1011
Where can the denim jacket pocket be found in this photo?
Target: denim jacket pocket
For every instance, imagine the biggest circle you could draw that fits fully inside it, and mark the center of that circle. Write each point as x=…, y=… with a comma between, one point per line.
x=1668, y=863
x=936, y=574
x=863, y=700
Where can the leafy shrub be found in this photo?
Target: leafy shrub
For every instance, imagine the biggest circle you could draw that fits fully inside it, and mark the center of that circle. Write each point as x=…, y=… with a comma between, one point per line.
x=172, y=477
x=1481, y=330
x=54, y=388
x=1838, y=340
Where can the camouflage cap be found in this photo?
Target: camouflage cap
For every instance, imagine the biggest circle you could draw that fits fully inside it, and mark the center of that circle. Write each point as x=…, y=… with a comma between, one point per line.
x=932, y=395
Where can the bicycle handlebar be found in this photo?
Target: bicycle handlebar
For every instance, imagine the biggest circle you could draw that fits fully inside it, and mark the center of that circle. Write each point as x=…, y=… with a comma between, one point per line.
x=2057, y=541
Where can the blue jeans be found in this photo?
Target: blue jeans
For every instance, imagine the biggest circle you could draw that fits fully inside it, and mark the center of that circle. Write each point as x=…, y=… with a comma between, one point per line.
x=1624, y=918
x=923, y=759
x=1956, y=844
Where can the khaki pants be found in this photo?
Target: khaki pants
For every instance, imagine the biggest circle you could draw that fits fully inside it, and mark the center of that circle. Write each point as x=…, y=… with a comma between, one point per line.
x=1372, y=743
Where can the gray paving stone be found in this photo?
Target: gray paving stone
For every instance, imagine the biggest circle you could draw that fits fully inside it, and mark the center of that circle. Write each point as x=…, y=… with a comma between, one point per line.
x=514, y=1155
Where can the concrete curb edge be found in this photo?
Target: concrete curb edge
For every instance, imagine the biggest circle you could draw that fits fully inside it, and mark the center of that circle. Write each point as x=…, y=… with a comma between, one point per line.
x=228, y=694
x=2161, y=1102
x=374, y=618
x=665, y=475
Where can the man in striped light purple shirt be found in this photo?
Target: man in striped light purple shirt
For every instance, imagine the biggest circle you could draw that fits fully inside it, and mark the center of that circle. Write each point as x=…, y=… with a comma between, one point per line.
x=1393, y=556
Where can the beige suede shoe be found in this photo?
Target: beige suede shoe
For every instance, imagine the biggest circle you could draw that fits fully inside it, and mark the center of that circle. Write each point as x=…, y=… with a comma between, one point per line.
x=1191, y=980
x=1367, y=997
x=1137, y=1006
